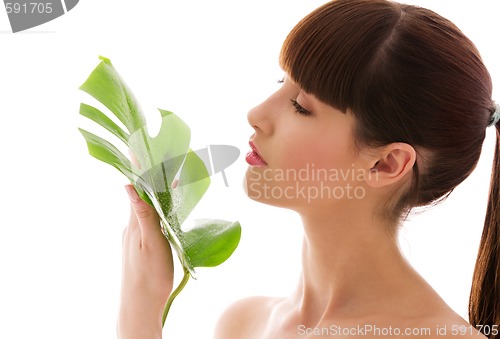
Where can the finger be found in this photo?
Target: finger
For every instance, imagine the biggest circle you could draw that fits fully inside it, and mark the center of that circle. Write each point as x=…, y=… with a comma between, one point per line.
x=175, y=183
x=133, y=159
x=133, y=229
x=143, y=214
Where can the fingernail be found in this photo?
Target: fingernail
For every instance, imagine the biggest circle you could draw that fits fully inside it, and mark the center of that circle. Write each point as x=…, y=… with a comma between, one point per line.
x=132, y=193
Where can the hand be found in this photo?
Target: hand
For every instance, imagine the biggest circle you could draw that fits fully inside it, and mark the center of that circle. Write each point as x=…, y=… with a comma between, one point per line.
x=147, y=277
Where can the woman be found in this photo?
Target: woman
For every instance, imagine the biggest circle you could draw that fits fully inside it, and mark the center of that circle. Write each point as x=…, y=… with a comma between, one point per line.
x=384, y=107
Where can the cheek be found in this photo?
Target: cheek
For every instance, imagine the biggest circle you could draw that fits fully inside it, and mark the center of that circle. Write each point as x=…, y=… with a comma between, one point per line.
x=327, y=161
x=332, y=152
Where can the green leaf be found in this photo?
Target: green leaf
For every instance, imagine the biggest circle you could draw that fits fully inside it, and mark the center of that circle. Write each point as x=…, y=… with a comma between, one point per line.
x=211, y=242
x=194, y=181
x=106, y=85
x=167, y=149
x=104, y=151
x=99, y=117
x=160, y=159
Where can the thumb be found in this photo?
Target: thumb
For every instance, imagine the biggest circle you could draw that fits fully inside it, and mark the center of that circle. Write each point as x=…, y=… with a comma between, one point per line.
x=146, y=215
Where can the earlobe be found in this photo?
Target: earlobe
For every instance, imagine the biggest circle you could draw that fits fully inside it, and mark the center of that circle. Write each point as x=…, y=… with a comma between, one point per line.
x=394, y=162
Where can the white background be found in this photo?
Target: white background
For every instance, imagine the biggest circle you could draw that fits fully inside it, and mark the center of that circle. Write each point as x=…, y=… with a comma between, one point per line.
x=62, y=212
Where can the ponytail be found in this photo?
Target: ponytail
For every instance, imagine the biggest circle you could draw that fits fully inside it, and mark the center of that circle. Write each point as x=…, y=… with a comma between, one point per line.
x=484, y=302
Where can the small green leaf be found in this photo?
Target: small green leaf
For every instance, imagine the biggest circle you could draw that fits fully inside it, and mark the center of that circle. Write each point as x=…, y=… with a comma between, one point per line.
x=211, y=242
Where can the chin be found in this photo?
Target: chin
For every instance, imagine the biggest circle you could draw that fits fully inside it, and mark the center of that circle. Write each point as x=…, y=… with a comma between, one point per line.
x=298, y=195
x=275, y=193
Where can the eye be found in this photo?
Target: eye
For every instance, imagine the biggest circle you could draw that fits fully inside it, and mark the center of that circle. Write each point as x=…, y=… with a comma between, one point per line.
x=299, y=109
x=280, y=81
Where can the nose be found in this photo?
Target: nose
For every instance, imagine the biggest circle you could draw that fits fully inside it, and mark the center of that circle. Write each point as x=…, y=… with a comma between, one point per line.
x=260, y=118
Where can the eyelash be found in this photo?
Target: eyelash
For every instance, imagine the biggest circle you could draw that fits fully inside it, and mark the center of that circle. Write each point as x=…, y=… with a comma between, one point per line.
x=299, y=109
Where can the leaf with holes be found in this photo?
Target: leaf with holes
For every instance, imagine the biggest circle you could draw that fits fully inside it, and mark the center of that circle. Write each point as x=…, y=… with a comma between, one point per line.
x=160, y=160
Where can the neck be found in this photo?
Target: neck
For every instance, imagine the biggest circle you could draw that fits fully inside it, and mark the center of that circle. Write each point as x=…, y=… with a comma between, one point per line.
x=350, y=262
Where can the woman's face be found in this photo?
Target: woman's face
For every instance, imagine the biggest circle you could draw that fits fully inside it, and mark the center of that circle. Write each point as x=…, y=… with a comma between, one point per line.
x=304, y=152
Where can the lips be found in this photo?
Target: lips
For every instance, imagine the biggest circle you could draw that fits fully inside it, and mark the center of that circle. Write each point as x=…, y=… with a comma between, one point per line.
x=253, y=158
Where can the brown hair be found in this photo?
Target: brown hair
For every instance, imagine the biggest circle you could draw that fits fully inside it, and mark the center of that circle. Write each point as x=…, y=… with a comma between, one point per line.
x=484, y=303
x=407, y=75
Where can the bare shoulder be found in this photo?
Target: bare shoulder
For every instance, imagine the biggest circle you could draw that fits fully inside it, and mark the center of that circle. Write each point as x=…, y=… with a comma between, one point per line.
x=245, y=318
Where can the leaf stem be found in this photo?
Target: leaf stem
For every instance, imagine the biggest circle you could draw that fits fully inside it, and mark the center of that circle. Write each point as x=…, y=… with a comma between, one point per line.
x=146, y=145
x=174, y=294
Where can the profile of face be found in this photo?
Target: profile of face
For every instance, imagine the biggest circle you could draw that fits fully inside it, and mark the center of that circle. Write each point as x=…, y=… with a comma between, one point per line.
x=303, y=152
x=384, y=107
x=341, y=117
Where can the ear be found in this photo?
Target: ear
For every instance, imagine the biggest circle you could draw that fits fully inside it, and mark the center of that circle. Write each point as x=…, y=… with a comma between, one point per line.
x=394, y=162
